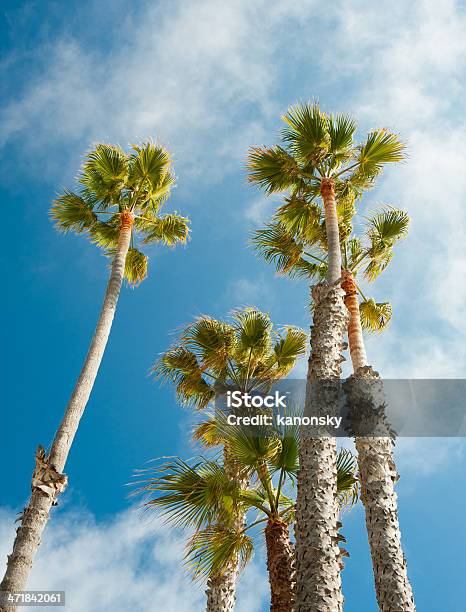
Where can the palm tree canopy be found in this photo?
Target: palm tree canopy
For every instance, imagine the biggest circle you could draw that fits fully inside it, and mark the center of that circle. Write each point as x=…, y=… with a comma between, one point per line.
x=112, y=183
x=295, y=242
x=245, y=351
x=200, y=494
x=317, y=146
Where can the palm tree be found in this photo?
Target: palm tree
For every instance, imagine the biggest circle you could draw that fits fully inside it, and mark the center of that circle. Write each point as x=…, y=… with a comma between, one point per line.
x=367, y=255
x=245, y=354
x=201, y=496
x=119, y=201
x=318, y=158
x=375, y=452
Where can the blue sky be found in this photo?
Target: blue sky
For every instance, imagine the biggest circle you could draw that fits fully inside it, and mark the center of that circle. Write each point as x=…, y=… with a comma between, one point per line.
x=208, y=79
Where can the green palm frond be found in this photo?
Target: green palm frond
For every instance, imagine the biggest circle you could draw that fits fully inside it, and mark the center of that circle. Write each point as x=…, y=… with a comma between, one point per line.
x=104, y=173
x=341, y=129
x=190, y=495
x=168, y=229
x=249, y=445
x=287, y=349
x=375, y=316
x=212, y=340
x=303, y=219
x=307, y=133
x=274, y=169
x=381, y=147
x=149, y=166
x=387, y=226
x=354, y=249
x=208, y=433
x=345, y=211
x=253, y=333
x=377, y=264
x=72, y=212
x=347, y=481
x=135, y=267
x=105, y=233
x=181, y=367
x=213, y=549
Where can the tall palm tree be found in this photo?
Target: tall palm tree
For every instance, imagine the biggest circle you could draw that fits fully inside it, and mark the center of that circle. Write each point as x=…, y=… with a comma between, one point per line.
x=119, y=201
x=244, y=354
x=371, y=255
x=318, y=158
x=366, y=255
x=200, y=495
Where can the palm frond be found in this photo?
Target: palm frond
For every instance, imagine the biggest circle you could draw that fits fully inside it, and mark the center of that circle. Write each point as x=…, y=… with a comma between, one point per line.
x=168, y=229
x=341, y=129
x=375, y=316
x=381, y=147
x=190, y=495
x=135, y=267
x=105, y=233
x=388, y=226
x=303, y=219
x=307, y=132
x=104, y=173
x=347, y=482
x=273, y=169
x=72, y=212
x=212, y=340
x=212, y=550
x=252, y=331
x=149, y=165
x=288, y=349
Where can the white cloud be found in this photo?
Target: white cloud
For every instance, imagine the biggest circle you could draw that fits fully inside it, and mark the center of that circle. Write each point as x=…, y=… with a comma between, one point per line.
x=198, y=76
x=128, y=562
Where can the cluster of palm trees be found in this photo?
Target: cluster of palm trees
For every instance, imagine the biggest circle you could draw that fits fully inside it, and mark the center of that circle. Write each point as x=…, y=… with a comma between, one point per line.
x=256, y=481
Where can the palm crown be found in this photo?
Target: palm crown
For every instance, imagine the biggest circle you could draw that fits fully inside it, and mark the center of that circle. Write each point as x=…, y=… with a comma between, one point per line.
x=298, y=248
x=317, y=146
x=246, y=352
x=114, y=183
x=201, y=495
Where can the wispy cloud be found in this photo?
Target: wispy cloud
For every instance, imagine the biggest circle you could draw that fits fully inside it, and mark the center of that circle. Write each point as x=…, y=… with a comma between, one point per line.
x=128, y=562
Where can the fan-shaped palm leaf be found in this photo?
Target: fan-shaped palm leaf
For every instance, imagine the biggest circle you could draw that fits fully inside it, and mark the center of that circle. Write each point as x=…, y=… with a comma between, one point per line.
x=375, y=316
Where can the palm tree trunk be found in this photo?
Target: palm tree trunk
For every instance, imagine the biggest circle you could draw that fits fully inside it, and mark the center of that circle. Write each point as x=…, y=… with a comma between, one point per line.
x=378, y=476
x=221, y=588
x=327, y=191
x=318, y=557
x=280, y=566
x=48, y=481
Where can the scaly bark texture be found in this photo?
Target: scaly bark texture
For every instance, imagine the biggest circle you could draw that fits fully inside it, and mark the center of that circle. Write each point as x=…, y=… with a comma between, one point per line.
x=318, y=557
x=327, y=191
x=377, y=470
x=221, y=588
x=47, y=479
x=280, y=566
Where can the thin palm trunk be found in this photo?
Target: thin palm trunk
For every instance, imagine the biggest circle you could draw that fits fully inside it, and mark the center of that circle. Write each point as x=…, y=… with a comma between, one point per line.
x=331, y=226
x=280, y=566
x=221, y=588
x=318, y=557
x=378, y=476
x=48, y=481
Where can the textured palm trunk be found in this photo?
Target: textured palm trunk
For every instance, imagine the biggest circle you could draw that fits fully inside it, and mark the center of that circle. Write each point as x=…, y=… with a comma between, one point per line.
x=377, y=472
x=331, y=226
x=221, y=588
x=318, y=557
x=280, y=566
x=48, y=481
